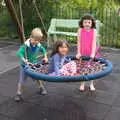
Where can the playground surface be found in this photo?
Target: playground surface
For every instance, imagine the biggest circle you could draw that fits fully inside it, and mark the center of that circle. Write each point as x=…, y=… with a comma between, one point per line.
x=64, y=101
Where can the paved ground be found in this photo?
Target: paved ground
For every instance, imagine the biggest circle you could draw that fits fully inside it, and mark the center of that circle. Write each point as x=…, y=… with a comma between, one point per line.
x=8, y=59
x=64, y=101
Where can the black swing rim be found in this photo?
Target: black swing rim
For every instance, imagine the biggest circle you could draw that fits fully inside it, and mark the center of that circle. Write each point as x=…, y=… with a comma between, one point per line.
x=77, y=78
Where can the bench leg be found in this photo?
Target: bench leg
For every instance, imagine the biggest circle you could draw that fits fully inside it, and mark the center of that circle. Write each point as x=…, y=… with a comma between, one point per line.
x=51, y=39
x=54, y=39
x=48, y=41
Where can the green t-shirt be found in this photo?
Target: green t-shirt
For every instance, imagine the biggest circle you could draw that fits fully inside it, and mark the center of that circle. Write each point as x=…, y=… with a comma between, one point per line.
x=26, y=51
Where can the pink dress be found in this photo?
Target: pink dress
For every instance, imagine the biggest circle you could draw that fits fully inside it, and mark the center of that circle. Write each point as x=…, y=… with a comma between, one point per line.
x=86, y=40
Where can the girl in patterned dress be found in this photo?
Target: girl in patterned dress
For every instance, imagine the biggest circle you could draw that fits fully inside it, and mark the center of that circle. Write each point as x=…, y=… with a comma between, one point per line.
x=60, y=63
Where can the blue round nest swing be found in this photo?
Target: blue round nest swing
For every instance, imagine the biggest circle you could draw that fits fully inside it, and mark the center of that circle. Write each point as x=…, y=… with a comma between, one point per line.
x=77, y=78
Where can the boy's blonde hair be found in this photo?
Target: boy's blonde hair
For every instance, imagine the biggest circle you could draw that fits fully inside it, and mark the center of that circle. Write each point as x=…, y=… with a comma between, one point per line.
x=36, y=33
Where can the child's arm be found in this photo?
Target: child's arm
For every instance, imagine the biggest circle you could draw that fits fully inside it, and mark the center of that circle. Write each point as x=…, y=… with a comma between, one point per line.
x=78, y=44
x=94, y=45
x=21, y=54
x=56, y=64
x=45, y=57
x=42, y=49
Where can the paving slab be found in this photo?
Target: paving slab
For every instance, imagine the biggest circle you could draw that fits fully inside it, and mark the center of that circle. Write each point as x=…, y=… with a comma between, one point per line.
x=64, y=101
x=3, y=99
x=114, y=114
x=2, y=117
x=8, y=59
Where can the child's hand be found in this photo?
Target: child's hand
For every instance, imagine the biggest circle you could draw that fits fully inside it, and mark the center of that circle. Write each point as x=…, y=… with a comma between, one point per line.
x=29, y=63
x=78, y=56
x=92, y=56
x=25, y=60
x=45, y=60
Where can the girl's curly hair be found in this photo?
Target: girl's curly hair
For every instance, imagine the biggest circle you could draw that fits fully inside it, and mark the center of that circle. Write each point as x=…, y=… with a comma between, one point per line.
x=87, y=17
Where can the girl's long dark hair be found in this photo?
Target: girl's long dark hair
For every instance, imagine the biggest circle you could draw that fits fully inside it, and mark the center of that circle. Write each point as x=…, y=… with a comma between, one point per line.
x=58, y=44
x=87, y=17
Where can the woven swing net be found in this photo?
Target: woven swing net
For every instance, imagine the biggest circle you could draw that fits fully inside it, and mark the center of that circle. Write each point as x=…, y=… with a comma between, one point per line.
x=83, y=67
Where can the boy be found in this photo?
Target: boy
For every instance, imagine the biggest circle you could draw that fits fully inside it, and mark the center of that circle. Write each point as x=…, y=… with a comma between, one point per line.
x=28, y=53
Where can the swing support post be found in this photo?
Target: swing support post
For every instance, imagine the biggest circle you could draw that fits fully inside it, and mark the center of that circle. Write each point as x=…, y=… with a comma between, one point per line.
x=12, y=11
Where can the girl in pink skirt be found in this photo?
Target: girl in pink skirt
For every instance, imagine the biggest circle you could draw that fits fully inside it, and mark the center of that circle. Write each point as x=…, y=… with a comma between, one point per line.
x=86, y=45
x=60, y=63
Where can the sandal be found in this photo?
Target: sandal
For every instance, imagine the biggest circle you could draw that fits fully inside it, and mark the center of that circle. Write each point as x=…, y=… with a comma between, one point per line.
x=42, y=91
x=92, y=88
x=82, y=88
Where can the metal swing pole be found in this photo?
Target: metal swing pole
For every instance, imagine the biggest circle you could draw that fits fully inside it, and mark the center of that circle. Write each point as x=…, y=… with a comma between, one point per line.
x=13, y=14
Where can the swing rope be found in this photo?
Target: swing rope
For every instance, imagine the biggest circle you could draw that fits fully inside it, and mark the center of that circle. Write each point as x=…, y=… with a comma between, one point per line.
x=21, y=16
x=39, y=15
x=22, y=22
x=22, y=25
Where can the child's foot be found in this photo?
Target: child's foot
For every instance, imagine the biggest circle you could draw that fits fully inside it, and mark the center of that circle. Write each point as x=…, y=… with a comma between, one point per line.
x=92, y=88
x=82, y=87
x=42, y=91
x=18, y=98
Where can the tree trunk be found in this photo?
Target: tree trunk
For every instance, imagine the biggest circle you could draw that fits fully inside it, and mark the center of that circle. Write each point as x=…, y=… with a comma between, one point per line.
x=11, y=10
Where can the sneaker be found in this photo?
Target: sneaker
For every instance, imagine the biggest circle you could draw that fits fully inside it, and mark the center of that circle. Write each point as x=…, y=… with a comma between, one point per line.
x=42, y=91
x=18, y=98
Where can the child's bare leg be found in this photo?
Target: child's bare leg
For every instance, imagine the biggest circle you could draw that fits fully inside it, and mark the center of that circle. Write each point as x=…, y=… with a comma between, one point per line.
x=42, y=91
x=21, y=81
x=40, y=84
x=19, y=89
x=18, y=96
x=92, y=88
x=82, y=86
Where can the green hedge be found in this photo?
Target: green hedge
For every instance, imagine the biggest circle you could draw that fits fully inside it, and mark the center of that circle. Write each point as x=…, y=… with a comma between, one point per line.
x=7, y=27
x=105, y=11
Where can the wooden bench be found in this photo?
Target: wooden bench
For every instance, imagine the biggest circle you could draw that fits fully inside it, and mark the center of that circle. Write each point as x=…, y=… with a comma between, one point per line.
x=68, y=24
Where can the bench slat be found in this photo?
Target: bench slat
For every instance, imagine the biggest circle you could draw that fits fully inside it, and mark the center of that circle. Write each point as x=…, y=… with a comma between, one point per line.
x=67, y=23
x=64, y=33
